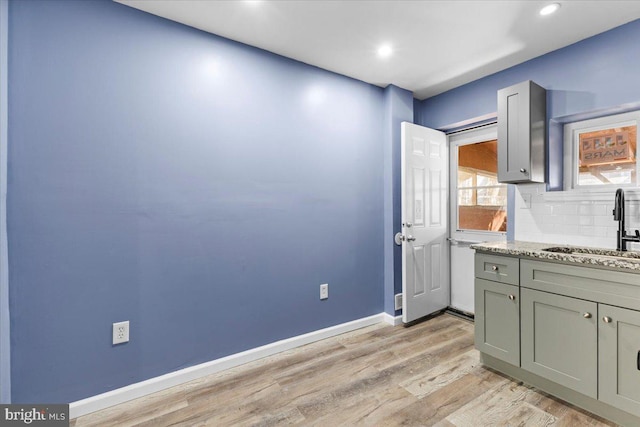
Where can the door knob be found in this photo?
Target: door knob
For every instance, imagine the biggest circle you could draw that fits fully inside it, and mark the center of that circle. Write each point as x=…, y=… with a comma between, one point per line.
x=407, y=224
x=410, y=238
x=399, y=238
x=607, y=319
x=512, y=297
x=587, y=315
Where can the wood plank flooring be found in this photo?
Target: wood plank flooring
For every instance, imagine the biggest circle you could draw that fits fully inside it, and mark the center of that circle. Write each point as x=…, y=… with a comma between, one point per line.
x=424, y=375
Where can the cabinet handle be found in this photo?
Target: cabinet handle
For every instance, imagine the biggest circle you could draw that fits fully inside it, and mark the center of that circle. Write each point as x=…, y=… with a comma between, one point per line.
x=523, y=170
x=638, y=361
x=587, y=315
x=494, y=268
x=607, y=319
x=512, y=297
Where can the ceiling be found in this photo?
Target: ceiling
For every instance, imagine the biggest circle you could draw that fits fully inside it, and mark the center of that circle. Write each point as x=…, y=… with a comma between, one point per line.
x=438, y=45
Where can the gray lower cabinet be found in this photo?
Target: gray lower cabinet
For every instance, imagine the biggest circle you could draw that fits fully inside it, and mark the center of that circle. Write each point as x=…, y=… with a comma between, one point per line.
x=560, y=339
x=563, y=325
x=619, y=358
x=497, y=320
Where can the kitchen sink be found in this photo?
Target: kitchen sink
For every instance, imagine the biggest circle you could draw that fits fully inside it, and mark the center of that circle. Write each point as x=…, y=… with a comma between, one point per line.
x=593, y=252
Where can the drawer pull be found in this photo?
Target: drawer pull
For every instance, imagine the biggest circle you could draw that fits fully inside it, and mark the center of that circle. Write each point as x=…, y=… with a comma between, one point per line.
x=523, y=170
x=587, y=315
x=607, y=319
x=512, y=297
x=638, y=361
x=494, y=268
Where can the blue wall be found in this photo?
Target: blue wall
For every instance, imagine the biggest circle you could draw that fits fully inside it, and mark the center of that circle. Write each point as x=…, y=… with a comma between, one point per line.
x=594, y=75
x=200, y=188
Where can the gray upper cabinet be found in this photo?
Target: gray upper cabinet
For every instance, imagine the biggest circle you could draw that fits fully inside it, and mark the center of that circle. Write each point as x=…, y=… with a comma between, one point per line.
x=522, y=110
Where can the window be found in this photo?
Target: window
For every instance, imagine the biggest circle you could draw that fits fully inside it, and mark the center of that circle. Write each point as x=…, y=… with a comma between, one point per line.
x=482, y=200
x=601, y=153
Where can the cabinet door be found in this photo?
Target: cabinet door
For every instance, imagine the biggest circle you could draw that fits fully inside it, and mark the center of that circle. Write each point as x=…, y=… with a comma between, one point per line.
x=497, y=320
x=619, y=358
x=513, y=133
x=560, y=339
x=521, y=133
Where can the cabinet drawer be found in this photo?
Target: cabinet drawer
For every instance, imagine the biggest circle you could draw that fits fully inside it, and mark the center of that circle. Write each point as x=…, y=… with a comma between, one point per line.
x=498, y=268
x=497, y=320
x=609, y=287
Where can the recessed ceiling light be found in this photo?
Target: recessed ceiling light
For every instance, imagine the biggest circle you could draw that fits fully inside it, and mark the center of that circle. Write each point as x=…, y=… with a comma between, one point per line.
x=549, y=9
x=384, y=51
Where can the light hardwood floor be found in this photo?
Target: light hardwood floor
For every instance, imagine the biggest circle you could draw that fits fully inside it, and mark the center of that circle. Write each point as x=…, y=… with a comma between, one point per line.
x=423, y=375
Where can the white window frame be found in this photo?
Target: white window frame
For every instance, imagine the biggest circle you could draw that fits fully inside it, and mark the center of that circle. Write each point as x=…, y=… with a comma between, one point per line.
x=572, y=133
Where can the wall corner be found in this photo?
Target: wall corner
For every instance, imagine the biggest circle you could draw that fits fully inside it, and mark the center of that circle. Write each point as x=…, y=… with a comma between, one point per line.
x=398, y=108
x=5, y=342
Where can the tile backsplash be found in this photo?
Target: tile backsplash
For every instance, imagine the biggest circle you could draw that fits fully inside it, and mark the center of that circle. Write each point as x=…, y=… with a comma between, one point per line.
x=554, y=218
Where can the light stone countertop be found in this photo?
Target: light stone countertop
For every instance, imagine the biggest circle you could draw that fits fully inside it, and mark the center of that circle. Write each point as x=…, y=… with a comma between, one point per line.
x=587, y=256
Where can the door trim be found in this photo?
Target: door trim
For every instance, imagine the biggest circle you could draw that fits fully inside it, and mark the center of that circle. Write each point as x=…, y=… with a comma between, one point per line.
x=462, y=292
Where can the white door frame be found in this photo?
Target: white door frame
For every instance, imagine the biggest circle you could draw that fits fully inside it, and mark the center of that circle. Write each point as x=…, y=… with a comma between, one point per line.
x=461, y=256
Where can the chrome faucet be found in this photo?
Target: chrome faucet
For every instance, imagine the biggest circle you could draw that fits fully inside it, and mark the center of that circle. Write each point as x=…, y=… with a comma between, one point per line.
x=618, y=215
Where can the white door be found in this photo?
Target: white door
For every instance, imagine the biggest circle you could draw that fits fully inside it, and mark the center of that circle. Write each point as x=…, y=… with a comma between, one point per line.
x=478, y=206
x=425, y=252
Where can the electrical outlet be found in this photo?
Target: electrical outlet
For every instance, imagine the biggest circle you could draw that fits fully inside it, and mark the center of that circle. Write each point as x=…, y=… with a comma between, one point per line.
x=121, y=332
x=398, y=301
x=324, y=291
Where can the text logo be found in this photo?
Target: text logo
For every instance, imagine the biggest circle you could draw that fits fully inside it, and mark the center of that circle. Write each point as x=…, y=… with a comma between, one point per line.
x=55, y=415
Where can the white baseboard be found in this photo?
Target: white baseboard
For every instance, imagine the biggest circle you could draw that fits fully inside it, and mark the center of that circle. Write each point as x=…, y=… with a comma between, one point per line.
x=143, y=388
x=394, y=321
